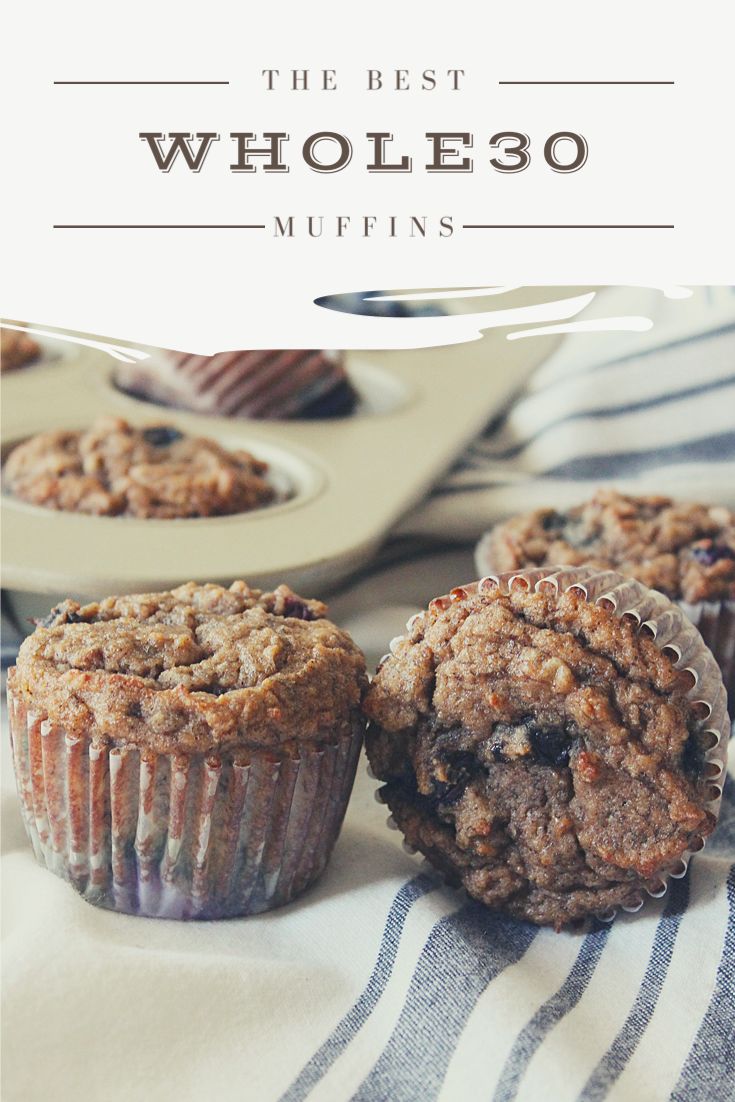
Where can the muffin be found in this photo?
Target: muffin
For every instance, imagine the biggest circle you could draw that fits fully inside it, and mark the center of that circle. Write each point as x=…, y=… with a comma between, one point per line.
x=113, y=469
x=686, y=551
x=554, y=742
x=17, y=349
x=260, y=384
x=186, y=754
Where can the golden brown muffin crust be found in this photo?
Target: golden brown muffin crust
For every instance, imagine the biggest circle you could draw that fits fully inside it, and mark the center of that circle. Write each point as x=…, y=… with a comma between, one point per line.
x=200, y=667
x=540, y=750
x=114, y=469
x=686, y=551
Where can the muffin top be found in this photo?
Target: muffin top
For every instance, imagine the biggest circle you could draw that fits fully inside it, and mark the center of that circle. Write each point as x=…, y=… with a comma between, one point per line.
x=195, y=669
x=113, y=469
x=486, y=657
x=686, y=551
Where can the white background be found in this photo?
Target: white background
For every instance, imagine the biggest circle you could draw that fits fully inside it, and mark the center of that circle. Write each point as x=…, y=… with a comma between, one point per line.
x=656, y=154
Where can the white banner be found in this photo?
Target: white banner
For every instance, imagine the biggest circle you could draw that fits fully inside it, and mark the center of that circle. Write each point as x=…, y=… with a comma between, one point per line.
x=404, y=146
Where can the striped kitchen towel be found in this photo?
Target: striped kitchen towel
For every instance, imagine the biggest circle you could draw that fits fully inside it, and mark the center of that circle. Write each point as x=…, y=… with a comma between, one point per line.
x=462, y=1004
x=645, y=412
x=381, y=984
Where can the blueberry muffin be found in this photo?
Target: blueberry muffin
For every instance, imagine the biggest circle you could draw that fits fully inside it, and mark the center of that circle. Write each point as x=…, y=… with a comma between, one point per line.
x=187, y=754
x=543, y=749
x=114, y=469
x=686, y=551
x=269, y=384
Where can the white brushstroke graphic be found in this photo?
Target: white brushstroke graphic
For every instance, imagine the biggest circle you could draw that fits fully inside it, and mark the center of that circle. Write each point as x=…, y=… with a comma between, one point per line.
x=452, y=292
x=117, y=351
x=591, y=325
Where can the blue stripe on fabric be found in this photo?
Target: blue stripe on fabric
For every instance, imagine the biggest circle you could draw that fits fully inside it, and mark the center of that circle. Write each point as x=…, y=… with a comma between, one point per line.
x=484, y=445
x=705, y=449
x=709, y=1072
x=550, y=1014
x=463, y=954
x=641, y=353
x=317, y=1067
x=608, y=412
x=607, y=466
x=617, y=1056
x=723, y=839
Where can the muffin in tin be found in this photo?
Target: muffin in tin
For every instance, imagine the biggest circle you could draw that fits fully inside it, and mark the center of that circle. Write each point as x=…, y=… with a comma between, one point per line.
x=114, y=469
x=17, y=349
x=551, y=741
x=686, y=551
x=263, y=384
x=187, y=754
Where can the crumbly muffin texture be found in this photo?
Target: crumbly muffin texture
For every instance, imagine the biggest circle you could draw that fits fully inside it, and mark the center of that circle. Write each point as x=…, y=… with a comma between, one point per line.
x=114, y=469
x=686, y=551
x=539, y=751
x=200, y=667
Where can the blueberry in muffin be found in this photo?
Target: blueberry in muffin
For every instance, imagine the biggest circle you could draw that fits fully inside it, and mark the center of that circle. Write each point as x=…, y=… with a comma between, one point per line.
x=685, y=550
x=115, y=469
x=543, y=749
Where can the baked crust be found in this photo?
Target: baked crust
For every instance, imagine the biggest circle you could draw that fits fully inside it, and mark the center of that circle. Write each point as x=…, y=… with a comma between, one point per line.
x=540, y=750
x=194, y=669
x=686, y=551
x=114, y=469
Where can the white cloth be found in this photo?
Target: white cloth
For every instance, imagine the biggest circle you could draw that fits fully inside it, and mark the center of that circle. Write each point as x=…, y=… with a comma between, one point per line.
x=378, y=984
x=645, y=412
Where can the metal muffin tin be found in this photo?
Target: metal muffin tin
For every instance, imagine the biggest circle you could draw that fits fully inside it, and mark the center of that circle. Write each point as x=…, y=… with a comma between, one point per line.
x=343, y=482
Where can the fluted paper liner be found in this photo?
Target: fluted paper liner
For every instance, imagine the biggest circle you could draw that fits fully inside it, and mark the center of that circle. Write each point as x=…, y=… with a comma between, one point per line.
x=673, y=632
x=180, y=836
x=715, y=620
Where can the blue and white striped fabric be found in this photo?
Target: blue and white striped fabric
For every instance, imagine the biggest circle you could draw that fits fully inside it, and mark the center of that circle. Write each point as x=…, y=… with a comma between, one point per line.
x=382, y=985
x=650, y=411
x=642, y=1010
x=462, y=1004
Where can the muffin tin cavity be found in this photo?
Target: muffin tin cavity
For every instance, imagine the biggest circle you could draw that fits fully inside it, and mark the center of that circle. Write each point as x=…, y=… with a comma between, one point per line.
x=378, y=393
x=52, y=350
x=341, y=483
x=292, y=478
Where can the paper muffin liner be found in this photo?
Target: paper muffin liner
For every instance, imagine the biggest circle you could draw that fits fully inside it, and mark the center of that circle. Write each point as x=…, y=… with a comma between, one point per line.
x=673, y=633
x=715, y=620
x=180, y=836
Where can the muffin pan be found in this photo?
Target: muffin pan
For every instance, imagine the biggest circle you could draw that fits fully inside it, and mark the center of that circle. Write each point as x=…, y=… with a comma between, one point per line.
x=342, y=482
